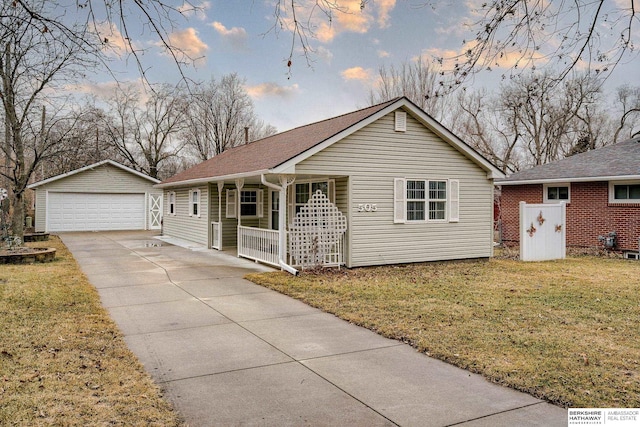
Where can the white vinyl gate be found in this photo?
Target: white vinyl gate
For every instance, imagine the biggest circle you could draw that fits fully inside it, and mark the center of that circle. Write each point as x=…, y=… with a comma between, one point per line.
x=542, y=231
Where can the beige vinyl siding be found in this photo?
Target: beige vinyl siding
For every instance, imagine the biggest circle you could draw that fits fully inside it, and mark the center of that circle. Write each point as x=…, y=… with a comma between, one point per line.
x=102, y=179
x=372, y=157
x=230, y=225
x=183, y=226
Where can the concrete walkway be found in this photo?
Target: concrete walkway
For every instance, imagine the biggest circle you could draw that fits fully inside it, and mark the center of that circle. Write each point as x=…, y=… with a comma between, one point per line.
x=229, y=352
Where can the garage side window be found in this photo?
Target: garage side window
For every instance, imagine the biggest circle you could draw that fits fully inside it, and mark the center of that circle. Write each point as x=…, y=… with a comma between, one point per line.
x=172, y=202
x=194, y=203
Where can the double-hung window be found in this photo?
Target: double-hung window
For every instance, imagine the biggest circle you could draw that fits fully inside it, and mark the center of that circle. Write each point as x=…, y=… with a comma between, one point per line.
x=438, y=200
x=416, y=200
x=194, y=203
x=250, y=203
x=305, y=190
x=423, y=200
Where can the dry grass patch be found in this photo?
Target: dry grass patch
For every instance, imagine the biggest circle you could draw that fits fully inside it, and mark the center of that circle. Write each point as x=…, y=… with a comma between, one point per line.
x=565, y=331
x=62, y=359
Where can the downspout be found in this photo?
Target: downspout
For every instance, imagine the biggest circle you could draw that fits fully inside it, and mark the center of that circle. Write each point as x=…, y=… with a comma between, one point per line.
x=281, y=225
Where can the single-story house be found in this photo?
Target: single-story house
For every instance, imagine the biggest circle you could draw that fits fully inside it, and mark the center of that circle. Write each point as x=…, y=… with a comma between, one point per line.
x=601, y=189
x=102, y=196
x=382, y=185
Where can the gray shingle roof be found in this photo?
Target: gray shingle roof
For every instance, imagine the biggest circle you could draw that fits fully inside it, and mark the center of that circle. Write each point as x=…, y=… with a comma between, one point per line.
x=617, y=160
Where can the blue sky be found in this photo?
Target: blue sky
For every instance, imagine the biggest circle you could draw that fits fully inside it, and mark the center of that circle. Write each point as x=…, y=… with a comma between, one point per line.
x=234, y=36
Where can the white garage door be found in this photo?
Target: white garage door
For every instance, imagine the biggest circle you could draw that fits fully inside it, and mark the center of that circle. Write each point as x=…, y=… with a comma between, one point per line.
x=90, y=211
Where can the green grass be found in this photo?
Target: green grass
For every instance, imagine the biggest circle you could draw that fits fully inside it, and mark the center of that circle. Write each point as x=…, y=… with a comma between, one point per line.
x=62, y=359
x=566, y=331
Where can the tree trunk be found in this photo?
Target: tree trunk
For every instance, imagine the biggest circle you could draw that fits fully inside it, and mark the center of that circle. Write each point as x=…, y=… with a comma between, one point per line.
x=17, y=219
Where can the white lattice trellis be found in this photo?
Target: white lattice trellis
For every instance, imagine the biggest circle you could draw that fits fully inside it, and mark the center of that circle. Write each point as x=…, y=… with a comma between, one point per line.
x=316, y=235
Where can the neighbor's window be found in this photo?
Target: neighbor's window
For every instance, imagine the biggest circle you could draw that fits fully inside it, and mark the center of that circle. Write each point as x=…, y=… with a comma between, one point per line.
x=172, y=202
x=626, y=192
x=194, y=203
x=556, y=193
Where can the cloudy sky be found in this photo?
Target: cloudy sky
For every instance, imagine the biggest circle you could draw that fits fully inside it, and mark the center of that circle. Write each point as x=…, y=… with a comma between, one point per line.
x=243, y=36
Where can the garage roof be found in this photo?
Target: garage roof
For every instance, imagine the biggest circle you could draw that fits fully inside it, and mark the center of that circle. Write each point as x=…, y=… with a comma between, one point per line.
x=93, y=166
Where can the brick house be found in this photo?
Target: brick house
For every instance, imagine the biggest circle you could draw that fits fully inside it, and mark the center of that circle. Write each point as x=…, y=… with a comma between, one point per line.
x=601, y=188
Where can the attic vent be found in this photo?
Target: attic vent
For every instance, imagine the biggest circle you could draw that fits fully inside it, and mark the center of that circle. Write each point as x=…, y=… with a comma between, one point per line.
x=401, y=121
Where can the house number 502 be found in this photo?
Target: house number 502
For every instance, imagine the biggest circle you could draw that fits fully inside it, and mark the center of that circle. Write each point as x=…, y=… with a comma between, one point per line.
x=367, y=207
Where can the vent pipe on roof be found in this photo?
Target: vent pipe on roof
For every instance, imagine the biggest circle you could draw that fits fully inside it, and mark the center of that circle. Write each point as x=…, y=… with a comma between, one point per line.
x=246, y=134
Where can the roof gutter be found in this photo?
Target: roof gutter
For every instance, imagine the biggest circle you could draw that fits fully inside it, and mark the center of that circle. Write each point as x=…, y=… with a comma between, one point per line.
x=563, y=180
x=281, y=234
x=209, y=179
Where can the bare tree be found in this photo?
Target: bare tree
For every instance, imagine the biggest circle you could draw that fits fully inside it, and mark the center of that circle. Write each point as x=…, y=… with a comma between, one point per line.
x=628, y=102
x=82, y=141
x=218, y=114
x=517, y=34
x=31, y=63
x=567, y=36
x=481, y=124
x=418, y=81
x=545, y=115
x=532, y=121
x=145, y=135
x=94, y=25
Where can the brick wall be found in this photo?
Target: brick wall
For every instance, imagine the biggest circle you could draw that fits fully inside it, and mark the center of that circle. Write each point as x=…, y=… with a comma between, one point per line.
x=589, y=214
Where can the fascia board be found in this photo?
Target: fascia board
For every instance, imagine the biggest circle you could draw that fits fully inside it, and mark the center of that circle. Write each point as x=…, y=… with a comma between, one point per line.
x=564, y=180
x=206, y=180
x=92, y=166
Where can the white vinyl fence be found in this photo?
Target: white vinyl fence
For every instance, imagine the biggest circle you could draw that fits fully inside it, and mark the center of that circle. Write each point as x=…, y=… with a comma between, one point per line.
x=543, y=232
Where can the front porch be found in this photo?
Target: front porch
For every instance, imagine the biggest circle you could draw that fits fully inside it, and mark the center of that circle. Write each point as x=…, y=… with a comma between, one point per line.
x=307, y=230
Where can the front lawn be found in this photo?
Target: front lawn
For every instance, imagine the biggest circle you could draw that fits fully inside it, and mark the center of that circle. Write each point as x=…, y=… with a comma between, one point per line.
x=62, y=359
x=566, y=331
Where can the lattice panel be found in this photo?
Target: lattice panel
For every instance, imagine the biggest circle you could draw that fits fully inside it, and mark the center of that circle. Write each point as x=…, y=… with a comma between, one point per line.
x=315, y=237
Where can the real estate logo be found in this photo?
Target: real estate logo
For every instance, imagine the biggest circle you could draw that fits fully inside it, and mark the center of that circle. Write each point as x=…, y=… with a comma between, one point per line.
x=601, y=416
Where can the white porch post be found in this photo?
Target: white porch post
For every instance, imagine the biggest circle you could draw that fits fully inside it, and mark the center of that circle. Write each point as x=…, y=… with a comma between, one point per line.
x=220, y=188
x=285, y=182
x=239, y=185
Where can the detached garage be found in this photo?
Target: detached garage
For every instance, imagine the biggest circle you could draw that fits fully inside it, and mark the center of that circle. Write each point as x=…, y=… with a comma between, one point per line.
x=99, y=197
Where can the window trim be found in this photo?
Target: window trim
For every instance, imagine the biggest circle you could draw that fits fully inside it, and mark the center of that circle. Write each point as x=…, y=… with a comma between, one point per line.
x=291, y=194
x=258, y=202
x=545, y=192
x=235, y=200
x=171, y=202
x=196, y=202
x=451, y=202
x=613, y=200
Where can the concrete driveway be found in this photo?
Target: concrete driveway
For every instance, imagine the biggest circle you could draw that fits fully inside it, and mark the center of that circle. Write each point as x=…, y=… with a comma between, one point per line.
x=229, y=352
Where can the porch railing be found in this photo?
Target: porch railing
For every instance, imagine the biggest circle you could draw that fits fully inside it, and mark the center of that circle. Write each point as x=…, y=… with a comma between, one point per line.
x=258, y=244
x=216, y=235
